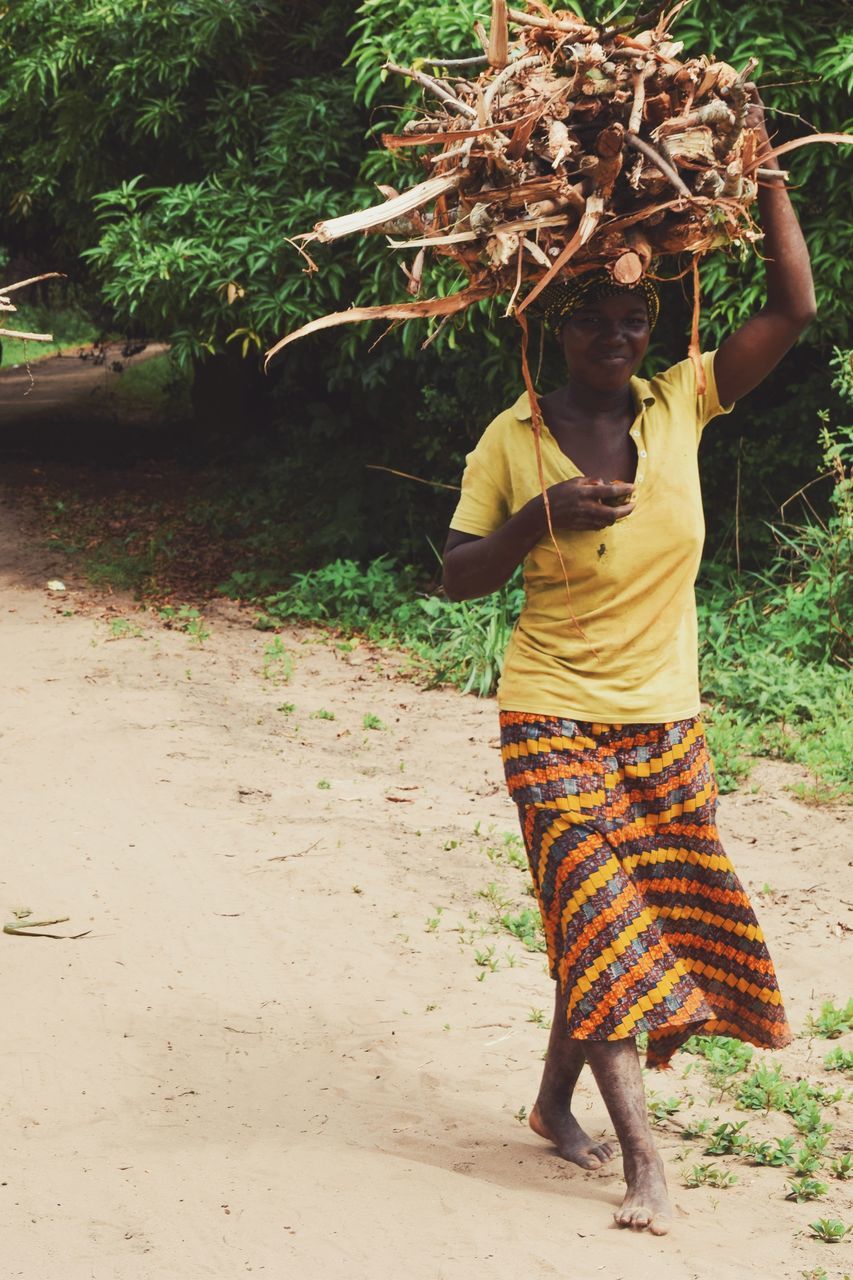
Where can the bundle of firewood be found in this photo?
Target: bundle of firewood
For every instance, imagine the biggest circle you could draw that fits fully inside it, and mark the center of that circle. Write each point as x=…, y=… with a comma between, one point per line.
x=575, y=147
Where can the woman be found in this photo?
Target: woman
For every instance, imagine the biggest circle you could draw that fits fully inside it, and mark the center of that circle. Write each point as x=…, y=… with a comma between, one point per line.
x=648, y=928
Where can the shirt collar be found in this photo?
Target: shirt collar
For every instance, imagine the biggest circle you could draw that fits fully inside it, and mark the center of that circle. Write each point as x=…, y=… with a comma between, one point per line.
x=640, y=390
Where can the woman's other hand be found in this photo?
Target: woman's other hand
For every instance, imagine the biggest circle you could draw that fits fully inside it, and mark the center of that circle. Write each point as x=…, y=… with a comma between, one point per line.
x=755, y=118
x=588, y=502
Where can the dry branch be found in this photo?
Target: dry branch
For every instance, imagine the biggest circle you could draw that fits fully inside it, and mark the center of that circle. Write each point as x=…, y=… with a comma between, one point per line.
x=6, y=305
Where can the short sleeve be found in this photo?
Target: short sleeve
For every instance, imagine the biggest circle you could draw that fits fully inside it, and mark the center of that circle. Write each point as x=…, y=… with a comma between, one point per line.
x=709, y=403
x=484, y=504
x=682, y=392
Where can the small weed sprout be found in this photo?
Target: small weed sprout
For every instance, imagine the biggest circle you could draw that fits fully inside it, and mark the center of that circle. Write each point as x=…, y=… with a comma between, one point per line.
x=709, y=1175
x=831, y=1022
x=723, y=1057
x=486, y=959
x=371, y=721
x=322, y=714
x=829, y=1230
x=279, y=664
x=806, y=1189
x=123, y=629
x=433, y=921
x=186, y=619
x=728, y=1140
x=660, y=1109
x=521, y=1115
x=778, y=1154
x=696, y=1128
x=324, y=785
x=495, y=896
x=839, y=1060
x=526, y=925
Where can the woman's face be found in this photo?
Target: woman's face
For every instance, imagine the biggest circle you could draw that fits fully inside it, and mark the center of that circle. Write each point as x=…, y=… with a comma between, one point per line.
x=604, y=341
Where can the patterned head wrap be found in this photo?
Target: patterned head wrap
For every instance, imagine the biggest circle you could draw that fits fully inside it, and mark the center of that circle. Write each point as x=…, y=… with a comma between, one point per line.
x=561, y=298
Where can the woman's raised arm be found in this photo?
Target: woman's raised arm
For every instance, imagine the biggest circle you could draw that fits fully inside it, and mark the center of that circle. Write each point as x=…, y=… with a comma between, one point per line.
x=747, y=356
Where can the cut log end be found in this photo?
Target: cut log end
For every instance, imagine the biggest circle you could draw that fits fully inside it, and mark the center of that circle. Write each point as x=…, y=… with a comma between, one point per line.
x=628, y=269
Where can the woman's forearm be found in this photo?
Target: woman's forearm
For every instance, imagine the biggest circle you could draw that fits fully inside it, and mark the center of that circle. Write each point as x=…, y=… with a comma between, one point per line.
x=483, y=565
x=790, y=288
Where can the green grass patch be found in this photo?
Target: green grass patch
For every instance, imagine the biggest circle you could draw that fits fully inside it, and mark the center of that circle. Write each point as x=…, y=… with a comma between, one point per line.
x=69, y=325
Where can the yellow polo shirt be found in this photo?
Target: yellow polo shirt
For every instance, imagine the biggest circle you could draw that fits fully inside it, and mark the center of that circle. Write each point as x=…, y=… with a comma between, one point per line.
x=630, y=655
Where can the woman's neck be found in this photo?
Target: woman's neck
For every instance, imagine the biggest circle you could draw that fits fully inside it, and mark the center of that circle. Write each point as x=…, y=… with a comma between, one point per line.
x=594, y=402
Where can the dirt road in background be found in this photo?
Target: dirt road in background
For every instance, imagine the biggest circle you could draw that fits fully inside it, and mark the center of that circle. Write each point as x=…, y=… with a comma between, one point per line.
x=284, y=1046
x=73, y=382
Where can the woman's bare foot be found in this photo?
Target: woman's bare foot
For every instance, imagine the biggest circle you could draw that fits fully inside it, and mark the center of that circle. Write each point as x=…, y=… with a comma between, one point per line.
x=616, y=1068
x=559, y=1126
x=646, y=1205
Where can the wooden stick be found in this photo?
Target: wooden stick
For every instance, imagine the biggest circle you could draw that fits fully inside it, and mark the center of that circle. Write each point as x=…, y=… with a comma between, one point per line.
x=22, y=284
x=498, y=36
x=636, y=117
x=842, y=138
x=646, y=149
x=479, y=60
x=376, y=215
x=549, y=24
x=530, y=60
x=589, y=221
x=448, y=306
x=26, y=337
x=463, y=237
x=404, y=475
x=426, y=82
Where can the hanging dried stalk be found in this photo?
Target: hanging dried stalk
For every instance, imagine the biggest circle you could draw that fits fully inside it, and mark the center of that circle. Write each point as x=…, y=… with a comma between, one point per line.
x=576, y=147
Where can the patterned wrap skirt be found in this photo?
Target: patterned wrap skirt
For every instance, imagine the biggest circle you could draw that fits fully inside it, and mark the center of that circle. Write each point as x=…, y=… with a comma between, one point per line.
x=647, y=926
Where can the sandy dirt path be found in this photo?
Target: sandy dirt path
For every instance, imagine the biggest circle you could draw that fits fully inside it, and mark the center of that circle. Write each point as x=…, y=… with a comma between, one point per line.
x=263, y=1058
x=64, y=383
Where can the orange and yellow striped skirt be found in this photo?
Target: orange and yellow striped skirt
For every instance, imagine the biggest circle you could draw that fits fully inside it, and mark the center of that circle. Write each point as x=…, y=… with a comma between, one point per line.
x=647, y=926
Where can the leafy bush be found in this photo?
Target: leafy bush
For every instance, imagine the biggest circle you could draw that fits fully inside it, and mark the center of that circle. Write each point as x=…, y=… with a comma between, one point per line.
x=460, y=643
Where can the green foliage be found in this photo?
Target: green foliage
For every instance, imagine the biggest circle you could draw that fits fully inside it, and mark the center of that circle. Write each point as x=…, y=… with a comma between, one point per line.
x=829, y=1230
x=729, y=1139
x=839, y=1060
x=806, y=1189
x=458, y=643
x=724, y=1056
x=185, y=618
x=279, y=663
x=709, y=1175
x=662, y=1109
x=774, y=652
x=831, y=1022
x=778, y=1154
x=526, y=925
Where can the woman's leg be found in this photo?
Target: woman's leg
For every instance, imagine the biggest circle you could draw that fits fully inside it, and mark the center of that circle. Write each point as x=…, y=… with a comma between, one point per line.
x=616, y=1067
x=552, y=1116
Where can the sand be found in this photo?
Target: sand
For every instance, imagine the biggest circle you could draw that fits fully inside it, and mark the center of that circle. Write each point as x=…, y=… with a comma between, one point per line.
x=264, y=1057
